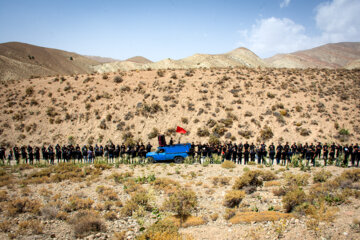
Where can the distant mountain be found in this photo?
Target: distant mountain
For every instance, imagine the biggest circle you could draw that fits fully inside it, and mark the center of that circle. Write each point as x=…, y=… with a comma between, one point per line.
x=332, y=55
x=138, y=59
x=21, y=60
x=102, y=59
x=237, y=57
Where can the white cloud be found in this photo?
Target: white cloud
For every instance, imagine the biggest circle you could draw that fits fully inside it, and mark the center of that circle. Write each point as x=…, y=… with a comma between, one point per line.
x=284, y=3
x=270, y=36
x=337, y=21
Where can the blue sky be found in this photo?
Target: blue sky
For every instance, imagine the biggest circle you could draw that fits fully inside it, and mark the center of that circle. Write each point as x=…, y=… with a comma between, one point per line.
x=177, y=29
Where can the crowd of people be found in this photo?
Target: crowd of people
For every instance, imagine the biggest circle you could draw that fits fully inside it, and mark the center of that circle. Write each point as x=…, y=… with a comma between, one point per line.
x=238, y=153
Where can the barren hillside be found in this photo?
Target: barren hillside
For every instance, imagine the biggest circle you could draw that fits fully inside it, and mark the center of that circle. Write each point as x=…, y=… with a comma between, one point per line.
x=20, y=60
x=334, y=55
x=238, y=104
x=240, y=57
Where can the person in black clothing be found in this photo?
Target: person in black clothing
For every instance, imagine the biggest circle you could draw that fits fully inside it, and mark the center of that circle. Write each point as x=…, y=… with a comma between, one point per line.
x=353, y=155
x=346, y=155
x=246, y=155
x=332, y=152
x=58, y=152
x=44, y=153
x=246, y=146
x=325, y=153
x=338, y=151
x=252, y=154
x=318, y=150
x=84, y=151
x=16, y=154
x=51, y=154
x=279, y=149
x=312, y=155
x=37, y=154
x=78, y=153
x=2, y=155
x=30, y=154
x=240, y=153
x=272, y=153
x=305, y=151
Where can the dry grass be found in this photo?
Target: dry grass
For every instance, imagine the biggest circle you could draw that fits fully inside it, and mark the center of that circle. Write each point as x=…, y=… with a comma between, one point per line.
x=189, y=221
x=248, y=217
x=228, y=164
x=233, y=198
x=23, y=205
x=272, y=183
x=87, y=222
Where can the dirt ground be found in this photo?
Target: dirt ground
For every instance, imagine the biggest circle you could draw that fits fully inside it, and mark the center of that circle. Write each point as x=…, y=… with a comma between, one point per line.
x=60, y=196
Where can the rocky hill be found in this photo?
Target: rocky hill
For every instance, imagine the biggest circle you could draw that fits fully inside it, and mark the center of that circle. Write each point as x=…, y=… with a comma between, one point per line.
x=334, y=55
x=20, y=60
x=240, y=57
x=237, y=104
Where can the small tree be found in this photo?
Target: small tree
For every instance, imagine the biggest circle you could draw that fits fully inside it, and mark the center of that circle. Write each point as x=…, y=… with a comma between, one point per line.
x=182, y=202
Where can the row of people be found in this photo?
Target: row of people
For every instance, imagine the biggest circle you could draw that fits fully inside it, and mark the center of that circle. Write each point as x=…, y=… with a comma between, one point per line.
x=283, y=153
x=228, y=150
x=86, y=153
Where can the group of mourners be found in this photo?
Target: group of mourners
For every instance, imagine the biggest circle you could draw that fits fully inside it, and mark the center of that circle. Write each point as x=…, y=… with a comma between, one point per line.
x=282, y=154
x=238, y=153
x=85, y=154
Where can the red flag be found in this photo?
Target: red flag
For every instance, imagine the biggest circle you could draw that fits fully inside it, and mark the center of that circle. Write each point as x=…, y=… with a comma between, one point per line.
x=180, y=130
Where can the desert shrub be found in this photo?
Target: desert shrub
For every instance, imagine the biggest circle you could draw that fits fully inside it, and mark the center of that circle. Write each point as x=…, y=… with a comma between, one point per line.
x=222, y=181
x=165, y=184
x=29, y=91
x=161, y=230
x=3, y=196
x=271, y=95
x=160, y=73
x=111, y=215
x=118, y=79
x=219, y=130
x=213, y=140
x=351, y=175
x=185, y=120
x=139, y=198
x=121, y=177
x=303, y=131
x=245, y=134
x=23, y=205
x=266, y=133
x=87, y=222
x=30, y=227
x=154, y=133
x=297, y=179
x=293, y=198
x=228, y=164
x=211, y=123
x=76, y=203
x=250, y=178
x=51, y=112
x=129, y=208
x=322, y=176
x=49, y=212
x=281, y=191
x=248, y=114
x=248, y=217
x=203, y=132
x=233, y=198
x=182, y=202
x=229, y=213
